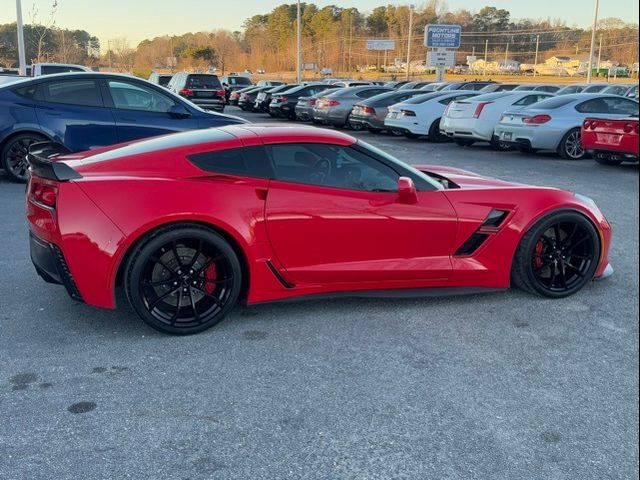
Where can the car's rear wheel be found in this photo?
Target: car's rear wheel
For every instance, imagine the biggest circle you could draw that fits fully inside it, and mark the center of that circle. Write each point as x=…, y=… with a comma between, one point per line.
x=14, y=155
x=183, y=280
x=396, y=133
x=557, y=256
x=374, y=130
x=410, y=135
x=435, y=135
x=500, y=145
x=571, y=145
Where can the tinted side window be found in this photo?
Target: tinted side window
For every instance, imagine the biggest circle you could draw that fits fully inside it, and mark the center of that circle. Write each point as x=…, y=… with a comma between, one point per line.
x=621, y=106
x=72, y=92
x=596, y=105
x=331, y=166
x=369, y=93
x=528, y=100
x=245, y=161
x=129, y=96
x=50, y=69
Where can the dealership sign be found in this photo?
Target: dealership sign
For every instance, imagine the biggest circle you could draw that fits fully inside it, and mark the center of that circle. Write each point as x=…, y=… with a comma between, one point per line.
x=381, y=45
x=442, y=36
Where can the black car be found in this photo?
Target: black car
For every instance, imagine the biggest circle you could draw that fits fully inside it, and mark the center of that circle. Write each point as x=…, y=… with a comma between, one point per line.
x=235, y=96
x=203, y=89
x=161, y=79
x=264, y=98
x=283, y=104
x=413, y=85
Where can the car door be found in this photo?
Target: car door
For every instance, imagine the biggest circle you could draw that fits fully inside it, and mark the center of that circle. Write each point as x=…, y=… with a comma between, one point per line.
x=333, y=215
x=141, y=111
x=73, y=113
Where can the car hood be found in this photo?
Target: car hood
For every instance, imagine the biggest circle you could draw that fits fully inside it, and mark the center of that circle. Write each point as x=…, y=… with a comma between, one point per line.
x=464, y=179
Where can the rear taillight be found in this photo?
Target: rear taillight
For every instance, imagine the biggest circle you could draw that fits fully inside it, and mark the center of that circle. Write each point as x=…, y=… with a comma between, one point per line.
x=220, y=93
x=368, y=110
x=628, y=127
x=45, y=195
x=186, y=92
x=589, y=124
x=407, y=113
x=479, y=108
x=331, y=103
x=312, y=101
x=235, y=95
x=536, y=119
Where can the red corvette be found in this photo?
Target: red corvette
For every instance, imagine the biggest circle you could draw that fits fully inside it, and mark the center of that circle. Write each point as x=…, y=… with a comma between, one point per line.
x=191, y=223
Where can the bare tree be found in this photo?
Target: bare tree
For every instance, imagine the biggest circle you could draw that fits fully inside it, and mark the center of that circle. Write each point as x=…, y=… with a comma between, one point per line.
x=42, y=28
x=124, y=54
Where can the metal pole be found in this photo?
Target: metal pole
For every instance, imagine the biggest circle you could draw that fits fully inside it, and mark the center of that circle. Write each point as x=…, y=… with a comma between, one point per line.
x=411, y=7
x=486, y=48
x=506, y=54
x=350, y=36
x=593, y=40
x=535, y=62
x=299, y=47
x=21, y=51
x=599, y=54
x=109, y=52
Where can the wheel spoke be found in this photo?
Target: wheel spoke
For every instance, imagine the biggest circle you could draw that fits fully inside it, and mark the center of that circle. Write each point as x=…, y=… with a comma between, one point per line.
x=582, y=257
x=570, y=236
x=208, y=263
x=164, y=265
x=174, y=317
x=563, y=276
x=207, y=294
x=556, y=232
x=193, y=260
x=572, y=247
x=554, y=274
x=157, y=283
x=162, y=297
x=174, y=249
x=193, y=305
x=218, y=281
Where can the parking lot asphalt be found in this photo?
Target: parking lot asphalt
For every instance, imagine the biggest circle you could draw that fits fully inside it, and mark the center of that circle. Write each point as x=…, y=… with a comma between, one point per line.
x=496, y=386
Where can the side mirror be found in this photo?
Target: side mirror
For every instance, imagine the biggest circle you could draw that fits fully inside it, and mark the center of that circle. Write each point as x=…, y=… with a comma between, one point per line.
x=178, y=111
x=407, y=190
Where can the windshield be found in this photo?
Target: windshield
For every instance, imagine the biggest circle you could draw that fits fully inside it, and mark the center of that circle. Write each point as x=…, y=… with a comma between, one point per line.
x=203, y=81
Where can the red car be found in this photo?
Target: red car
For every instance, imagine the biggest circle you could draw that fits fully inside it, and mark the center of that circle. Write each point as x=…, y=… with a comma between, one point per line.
x=611, y=141
x=191, y=223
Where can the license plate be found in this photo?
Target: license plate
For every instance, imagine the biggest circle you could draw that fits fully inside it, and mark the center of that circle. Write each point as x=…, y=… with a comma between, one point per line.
x=205, y=94
x=507, y=136
x=261, y=96
x=610, y=138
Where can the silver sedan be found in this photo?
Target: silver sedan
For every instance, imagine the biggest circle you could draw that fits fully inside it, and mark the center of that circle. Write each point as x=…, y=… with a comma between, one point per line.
x=554, y=124
x=335, y=107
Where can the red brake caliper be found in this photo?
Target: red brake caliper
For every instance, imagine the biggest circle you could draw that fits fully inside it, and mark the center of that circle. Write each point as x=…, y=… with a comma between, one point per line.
x=210, y=274
x=537, y=258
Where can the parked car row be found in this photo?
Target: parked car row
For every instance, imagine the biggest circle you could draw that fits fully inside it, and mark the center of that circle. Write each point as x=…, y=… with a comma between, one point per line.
x=507, y=116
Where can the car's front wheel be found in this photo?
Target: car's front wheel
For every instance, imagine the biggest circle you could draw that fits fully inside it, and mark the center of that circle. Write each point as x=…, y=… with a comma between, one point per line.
x=435, y=135
x=557, y=256
x=14, y=155
x=184, y=279
x=571, y=145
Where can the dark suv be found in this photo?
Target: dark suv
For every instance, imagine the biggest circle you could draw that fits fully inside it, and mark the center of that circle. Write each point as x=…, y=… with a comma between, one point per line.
x=283, y=104
x=231, y=83
x=203, y=89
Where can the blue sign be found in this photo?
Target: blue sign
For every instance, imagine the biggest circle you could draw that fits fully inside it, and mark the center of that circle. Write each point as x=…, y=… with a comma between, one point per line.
x=442, y=36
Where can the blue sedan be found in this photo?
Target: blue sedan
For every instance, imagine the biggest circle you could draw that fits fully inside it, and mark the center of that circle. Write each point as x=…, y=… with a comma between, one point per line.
x=88, y=110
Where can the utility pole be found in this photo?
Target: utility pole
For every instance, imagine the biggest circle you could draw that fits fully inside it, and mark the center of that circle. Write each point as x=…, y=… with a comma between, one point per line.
x=21, y=54
x=486, y=49
x=299, y=47
x=593, y=40
x=411, y=7
x=506, y=54
x=599, y=54
x=109, y=52
x=171, y=57
x=535, y=62
x=350, y=36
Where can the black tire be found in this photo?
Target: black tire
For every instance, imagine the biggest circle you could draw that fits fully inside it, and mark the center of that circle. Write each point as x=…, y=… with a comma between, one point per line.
x=356, y=127
x=564, y=246
x=434, y=134
x=183, y=279
x=463, y=142
x=13, y=155
x=396, y=133
x=374, y=130
x=611, y=162
x=570, y=147
x=412, y=136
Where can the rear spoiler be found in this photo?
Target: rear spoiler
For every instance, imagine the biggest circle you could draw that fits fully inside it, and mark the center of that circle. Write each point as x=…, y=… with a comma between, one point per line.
x=41, y=159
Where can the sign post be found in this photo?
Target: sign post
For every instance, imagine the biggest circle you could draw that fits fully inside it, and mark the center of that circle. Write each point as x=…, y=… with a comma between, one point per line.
x=381, y=45
x=442, y=38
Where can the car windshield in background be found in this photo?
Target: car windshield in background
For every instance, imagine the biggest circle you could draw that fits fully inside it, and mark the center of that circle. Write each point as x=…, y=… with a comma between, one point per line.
x=551, y=103
x=238, y=81
x=203, y=81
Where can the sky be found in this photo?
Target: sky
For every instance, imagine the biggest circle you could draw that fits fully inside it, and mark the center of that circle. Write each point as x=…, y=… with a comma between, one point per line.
x=140, y=19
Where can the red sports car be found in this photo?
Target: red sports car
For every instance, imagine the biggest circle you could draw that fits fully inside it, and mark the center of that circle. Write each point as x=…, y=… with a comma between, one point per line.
x=191, y=223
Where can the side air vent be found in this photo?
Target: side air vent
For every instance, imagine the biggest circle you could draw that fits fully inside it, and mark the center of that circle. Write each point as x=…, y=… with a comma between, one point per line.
x=489, y=227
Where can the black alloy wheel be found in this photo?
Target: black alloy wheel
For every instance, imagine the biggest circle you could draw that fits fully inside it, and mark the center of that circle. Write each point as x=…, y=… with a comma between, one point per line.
x=557, y=256
x=14, y=156
x=184, y=280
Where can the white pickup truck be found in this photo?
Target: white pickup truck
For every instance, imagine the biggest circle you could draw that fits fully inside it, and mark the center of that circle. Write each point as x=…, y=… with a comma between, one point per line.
x=38, y=69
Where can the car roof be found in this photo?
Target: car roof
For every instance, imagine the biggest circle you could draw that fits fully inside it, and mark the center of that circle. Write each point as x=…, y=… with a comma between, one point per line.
x=276, y=133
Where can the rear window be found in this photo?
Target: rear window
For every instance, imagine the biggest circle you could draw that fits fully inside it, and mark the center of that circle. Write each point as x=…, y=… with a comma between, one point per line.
x=550, y=104
x=203, y=82
x=490, y=97
x=164, y=80
x=51, y=69
x=238, y=81
x=422, y=98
